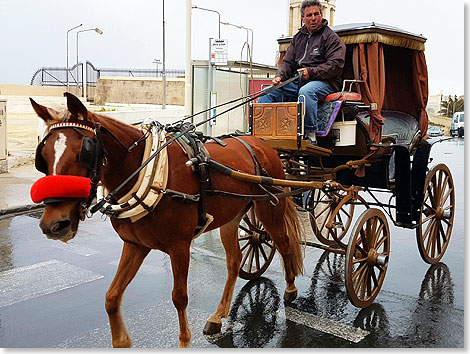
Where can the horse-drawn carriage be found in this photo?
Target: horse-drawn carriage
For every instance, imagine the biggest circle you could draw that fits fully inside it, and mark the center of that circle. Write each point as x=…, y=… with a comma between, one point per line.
x=371, y=139
x=162, y=186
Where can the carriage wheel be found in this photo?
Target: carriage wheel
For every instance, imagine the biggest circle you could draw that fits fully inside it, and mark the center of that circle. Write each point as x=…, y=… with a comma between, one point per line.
x=367, y=257
x=323, y=206
x=257, y=247
x=437, y=214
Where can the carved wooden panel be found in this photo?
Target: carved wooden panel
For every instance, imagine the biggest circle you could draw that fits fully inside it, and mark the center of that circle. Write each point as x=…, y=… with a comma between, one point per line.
x=275, y=120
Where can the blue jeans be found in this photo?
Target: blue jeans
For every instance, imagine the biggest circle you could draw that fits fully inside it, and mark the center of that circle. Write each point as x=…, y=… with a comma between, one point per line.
x=313, y=91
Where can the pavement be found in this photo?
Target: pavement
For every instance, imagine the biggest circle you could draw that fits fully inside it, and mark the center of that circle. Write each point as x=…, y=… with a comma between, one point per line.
x=14, y=189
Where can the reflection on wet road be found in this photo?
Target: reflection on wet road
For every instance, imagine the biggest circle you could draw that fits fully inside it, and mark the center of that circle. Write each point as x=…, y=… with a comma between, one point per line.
x=52, y=294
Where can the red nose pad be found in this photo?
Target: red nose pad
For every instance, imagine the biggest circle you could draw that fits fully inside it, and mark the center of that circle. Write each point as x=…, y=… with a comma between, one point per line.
x=60, y=186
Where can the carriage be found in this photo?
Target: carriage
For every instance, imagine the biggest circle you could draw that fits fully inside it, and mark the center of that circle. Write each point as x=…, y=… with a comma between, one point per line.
x=164, y=186
x=371, y=141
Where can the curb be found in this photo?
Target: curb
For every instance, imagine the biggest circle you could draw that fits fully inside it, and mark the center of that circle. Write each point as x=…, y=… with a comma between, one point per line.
x=20, y=209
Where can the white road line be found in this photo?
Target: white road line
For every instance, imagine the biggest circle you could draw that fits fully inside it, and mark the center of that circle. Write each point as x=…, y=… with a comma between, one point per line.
x=144, y=268
x=75, y=248
x=25, y=283
x=324, y=325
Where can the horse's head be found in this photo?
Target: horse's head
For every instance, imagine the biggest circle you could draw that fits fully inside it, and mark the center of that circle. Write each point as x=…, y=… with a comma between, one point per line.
x=71, y=156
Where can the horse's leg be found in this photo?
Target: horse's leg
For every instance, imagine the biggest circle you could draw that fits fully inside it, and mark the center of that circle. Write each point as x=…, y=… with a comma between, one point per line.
x=131, y=260
x=179, y=255
x=228, y=233
x=283, y=226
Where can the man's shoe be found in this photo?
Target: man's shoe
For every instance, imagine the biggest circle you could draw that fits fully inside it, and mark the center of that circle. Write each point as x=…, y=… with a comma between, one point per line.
x=312, y=142
x=311, y=138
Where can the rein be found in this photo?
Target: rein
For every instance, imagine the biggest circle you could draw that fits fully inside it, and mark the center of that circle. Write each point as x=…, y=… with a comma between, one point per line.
x=189, y=128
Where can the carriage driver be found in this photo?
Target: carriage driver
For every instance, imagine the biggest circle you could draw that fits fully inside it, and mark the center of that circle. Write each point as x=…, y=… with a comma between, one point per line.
x=319, y=54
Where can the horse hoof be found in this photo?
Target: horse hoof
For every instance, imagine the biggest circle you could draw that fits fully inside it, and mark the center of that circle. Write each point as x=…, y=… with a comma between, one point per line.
x=212, y=328
x=290, y=296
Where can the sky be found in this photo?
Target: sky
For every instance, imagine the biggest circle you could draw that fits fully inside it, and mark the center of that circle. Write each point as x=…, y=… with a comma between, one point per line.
x=34, y=33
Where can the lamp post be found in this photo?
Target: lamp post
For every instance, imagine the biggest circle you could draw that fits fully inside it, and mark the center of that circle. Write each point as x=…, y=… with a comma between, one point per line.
x=210, y=77
x=164, y=68
x=187, y=72
x=97, y=30
x=247, y=29
x=217, y=12
x=67, y=65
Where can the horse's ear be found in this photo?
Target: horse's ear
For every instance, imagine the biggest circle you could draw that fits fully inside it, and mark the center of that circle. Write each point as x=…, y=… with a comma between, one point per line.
x=76, y=107
x=49, y=115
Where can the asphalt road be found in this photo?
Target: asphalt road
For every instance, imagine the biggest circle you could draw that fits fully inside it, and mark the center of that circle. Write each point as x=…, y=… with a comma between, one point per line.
x=52, y=294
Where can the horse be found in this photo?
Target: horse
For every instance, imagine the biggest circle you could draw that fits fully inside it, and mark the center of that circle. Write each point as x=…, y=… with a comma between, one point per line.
x=171, y=226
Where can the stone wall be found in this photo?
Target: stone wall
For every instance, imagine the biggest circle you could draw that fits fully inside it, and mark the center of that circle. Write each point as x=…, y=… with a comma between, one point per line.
x=143, y=90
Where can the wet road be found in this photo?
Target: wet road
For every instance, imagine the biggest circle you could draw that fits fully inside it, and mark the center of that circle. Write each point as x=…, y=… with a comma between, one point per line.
x=52, y=294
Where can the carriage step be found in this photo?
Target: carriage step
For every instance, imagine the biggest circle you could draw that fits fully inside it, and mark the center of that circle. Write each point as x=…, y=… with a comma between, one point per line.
x=337, y=225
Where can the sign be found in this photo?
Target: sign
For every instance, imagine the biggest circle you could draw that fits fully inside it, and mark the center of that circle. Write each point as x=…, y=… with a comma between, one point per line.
x=219, y=51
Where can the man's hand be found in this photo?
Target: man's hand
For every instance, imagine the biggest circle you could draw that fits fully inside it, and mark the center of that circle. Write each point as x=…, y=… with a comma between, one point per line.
x=304, y=71
x=277, y=80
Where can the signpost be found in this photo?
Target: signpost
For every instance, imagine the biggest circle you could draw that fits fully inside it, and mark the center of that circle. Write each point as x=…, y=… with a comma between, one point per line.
x=218, y=55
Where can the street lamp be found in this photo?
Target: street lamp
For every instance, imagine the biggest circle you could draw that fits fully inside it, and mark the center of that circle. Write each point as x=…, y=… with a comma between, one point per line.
x=247, y=29
x=202, y=8
x=67, y=65
x=156, y=62
x=97, y=30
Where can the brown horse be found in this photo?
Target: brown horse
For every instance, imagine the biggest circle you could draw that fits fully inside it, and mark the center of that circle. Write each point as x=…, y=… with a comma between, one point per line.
x=171, y=226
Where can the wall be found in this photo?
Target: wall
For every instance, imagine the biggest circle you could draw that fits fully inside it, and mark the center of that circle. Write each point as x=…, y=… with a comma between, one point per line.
x=143, y=90
x=29, y=90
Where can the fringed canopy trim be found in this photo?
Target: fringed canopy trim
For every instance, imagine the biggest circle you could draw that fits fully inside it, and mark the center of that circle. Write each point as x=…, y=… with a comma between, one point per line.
x=389, y=39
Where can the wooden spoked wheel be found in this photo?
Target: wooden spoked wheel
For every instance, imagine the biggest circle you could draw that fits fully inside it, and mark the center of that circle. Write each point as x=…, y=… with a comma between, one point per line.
x=367, y=257
x=323, y=206
x=437, y=214
x=256, y=246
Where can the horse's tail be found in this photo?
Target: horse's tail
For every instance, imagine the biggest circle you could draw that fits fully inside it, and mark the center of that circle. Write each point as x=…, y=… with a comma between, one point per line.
x=296, y=236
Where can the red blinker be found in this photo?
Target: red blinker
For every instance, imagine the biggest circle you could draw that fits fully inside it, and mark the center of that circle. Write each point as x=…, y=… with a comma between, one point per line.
x=61, y=186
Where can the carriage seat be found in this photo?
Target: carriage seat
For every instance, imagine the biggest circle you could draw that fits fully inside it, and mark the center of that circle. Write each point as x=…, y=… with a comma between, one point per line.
x=342, y=96
x=399, y=127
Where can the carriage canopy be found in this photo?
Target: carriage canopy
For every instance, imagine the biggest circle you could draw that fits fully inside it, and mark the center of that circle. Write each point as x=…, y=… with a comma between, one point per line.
x=393, y=66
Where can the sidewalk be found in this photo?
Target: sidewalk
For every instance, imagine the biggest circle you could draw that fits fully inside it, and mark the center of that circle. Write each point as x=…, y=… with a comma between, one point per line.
x=14, y=189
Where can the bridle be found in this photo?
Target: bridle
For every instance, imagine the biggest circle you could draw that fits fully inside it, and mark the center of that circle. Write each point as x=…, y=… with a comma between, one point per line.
x=92, y=156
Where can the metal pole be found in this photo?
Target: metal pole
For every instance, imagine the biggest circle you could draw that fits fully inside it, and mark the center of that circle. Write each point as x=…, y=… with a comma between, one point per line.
x=164, y=71
x=187, y=74
x=67, y=65
x=77, y=61
x=97, y=30
x=210, y=84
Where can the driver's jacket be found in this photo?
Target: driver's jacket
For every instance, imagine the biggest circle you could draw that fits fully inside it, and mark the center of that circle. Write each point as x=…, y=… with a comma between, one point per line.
x=322, y=53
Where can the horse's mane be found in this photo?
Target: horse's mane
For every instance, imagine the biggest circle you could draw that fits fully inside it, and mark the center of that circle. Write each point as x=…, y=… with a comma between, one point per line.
x=113, y=123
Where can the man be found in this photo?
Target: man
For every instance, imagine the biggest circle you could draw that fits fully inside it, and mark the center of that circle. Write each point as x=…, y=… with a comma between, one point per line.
x=318, y=53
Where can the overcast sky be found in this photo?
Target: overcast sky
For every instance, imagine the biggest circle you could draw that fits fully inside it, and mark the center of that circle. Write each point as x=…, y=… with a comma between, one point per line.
x=33, y=32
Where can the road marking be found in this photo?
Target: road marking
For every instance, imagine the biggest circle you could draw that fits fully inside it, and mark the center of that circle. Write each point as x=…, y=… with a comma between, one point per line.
x=324, y=325
x=75, y=248
x=144, y=268
x=25, y=283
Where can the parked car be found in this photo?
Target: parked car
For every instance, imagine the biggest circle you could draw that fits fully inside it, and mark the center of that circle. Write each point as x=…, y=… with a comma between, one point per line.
x=457, y=124
x=434, y=130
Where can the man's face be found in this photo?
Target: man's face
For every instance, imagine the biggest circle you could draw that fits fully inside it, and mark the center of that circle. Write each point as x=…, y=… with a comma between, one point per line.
x=312, y=18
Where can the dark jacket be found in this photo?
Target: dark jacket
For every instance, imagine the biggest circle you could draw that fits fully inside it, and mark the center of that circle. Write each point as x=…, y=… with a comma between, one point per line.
x=322, y=53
